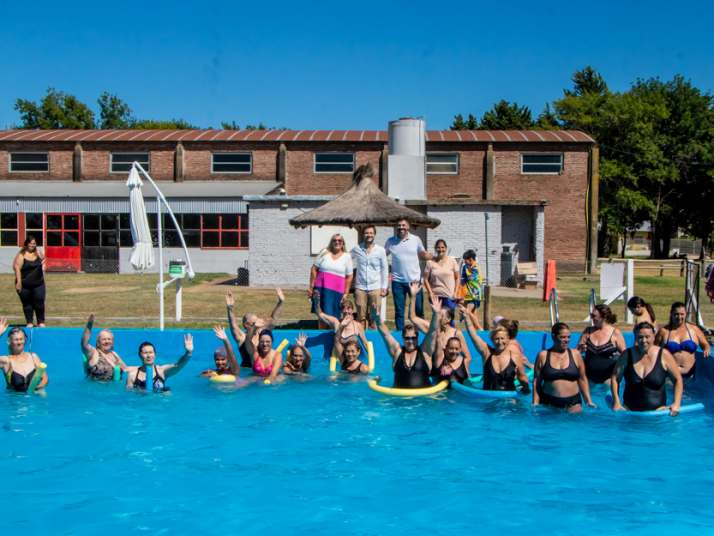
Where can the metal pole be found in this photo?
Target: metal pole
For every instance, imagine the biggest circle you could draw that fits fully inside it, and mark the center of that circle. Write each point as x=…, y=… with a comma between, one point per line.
x=485, y=225
x=179, y=300
x=161, y=265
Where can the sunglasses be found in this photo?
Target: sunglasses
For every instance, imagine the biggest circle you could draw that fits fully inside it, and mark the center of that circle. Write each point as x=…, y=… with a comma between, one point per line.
x=411, y=338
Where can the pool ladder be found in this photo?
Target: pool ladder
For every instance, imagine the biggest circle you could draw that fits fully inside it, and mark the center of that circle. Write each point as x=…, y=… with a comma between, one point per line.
x=553, y=306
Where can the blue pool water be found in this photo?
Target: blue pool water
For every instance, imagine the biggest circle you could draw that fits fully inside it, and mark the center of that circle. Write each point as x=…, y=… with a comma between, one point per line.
x=324, y=456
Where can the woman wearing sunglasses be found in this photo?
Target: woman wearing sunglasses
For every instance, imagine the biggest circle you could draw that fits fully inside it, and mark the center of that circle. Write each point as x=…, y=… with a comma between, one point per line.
x=331, y=277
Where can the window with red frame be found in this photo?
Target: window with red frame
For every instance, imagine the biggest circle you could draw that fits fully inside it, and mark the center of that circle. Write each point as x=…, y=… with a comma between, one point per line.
x=224, y=231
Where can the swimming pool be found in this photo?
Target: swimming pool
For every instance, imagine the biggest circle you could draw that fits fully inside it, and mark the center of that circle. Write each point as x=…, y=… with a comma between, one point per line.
x=325, y=456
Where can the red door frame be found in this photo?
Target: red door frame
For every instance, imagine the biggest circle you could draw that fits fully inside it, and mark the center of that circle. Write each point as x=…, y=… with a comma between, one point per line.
x=63, y=258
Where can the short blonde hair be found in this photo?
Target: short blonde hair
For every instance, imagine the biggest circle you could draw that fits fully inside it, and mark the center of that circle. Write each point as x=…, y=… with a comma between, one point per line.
x=499, y=329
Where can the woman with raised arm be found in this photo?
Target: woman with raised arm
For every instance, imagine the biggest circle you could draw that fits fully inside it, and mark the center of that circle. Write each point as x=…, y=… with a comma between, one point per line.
x=446, y=331
x=266, y=361
x=102, y=360
x=347, y=328
x=224, y=357
x=501, y=363
x=559, y=374
x=250, y=320
x=514, y=345
x=411, y=362
x=136, y=376
x=602, y=343
x=645, y=368
x=299, y=357
x=681, y=339
x=24, y=372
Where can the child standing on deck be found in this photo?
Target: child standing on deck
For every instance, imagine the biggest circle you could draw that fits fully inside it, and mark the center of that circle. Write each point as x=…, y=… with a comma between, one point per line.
x=471, y=282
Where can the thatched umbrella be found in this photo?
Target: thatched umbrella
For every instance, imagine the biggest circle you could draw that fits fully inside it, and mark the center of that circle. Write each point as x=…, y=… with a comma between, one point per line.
x=363, y=204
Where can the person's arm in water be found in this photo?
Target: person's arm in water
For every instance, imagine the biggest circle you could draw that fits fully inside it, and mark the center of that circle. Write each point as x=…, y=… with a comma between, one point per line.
x=702, y=341
x=672, y=368
x=45, y=378
x=481, y=346
x=619, y=341
x=230, y=354
x=615, y=379
x=88, y=349
x=392, y=345
x=171, y=370
x=583, y=382
x=420, y=323
x=236, y=332
x=540, y=360
x=276, y=310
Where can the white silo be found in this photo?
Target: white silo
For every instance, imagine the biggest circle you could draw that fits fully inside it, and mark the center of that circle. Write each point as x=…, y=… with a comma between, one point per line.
x=406, y=165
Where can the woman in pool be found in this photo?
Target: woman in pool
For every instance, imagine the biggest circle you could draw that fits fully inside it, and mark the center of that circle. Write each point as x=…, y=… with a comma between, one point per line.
x=411, y=362
x=224, y=358
x=446, y=330
x=250, y=320
x=101, y=359
x=514, y=345
x=450, y=363
x=641, y=310
x=559, y=374
x=502, y=362
x=645, y=368
x=136, y=376
x=349, y=359
x=299, y=357
x=20, y=367
x=681, y=339
x=266, y=361
x=441, y=276
x=602, y=344
x=346, y=329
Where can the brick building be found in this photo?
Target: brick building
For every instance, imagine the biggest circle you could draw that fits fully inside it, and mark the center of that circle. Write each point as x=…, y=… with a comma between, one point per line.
x=234, y=191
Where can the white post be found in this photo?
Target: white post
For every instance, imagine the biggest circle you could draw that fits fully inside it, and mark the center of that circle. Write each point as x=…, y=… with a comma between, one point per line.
x=179, y=300
x=161, y=266
x=629, y=288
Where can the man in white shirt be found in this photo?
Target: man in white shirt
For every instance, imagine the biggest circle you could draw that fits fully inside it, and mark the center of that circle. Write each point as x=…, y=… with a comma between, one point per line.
x=371, y=273
x=406, y=249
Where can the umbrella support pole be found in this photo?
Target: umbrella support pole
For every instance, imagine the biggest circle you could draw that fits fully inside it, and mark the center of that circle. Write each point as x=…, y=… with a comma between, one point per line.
x=179, y=294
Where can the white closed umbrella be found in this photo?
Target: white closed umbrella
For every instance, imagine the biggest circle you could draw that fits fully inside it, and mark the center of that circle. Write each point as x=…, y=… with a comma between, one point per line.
x=142, y=255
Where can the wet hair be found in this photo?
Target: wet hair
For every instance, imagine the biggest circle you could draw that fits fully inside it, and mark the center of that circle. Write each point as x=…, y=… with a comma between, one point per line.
x=145, y=344
x=499, y=328
x=306, y=359
x=469, y=254
x=558, y=327
x=266, y=332
x=644, y=325
x=351, y=343
x=510, y=325
x=440, y=241
x=637, y=301
x=606, y=313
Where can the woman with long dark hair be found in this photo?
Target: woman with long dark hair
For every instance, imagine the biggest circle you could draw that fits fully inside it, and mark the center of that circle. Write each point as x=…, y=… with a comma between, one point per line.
x=681, y=339
x=29, y=266
x=602, y=344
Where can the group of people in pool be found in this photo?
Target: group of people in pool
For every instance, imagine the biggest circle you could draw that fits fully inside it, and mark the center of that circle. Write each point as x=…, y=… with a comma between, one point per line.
x=562, y=376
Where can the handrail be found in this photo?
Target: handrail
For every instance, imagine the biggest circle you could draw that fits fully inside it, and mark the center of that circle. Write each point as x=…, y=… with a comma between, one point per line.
x=592, y=301
x=553, y=306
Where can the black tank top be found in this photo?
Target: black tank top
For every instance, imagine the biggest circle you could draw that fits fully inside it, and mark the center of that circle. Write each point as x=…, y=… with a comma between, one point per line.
x=600, y=360
x=416, y=376
x=648, y=393
x=31, y=273
x=499, y=381
x=569, y=373
x=18, y=382
x=459, y=374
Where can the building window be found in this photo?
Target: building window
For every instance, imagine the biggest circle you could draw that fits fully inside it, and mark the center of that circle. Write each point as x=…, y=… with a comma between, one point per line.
x=190, y=227
x=34, y=226
x=8, y=229
x=29, y=162
x=551, y=164
x=334, y=162
x=121, y=162
x=231, y=163
x=226, y=231
x=442, y=163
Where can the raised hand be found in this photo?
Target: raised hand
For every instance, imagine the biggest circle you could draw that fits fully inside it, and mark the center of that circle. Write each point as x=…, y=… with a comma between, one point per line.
x=301, y=339
x=435, y=303
x=188, y=343
x=220, y=333
x=230, y=300
x=281, y=296
x=374, y=314
x=3, y=325
x=90, y=318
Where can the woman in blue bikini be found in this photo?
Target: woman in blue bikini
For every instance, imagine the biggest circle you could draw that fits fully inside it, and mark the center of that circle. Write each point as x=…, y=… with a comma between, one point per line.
x=681, y=339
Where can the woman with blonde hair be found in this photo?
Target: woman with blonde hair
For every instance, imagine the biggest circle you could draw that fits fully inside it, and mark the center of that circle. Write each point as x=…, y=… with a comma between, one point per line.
x=331, y=277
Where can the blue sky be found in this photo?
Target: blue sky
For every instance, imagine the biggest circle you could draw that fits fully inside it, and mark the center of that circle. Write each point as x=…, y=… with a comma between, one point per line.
x=334, y=65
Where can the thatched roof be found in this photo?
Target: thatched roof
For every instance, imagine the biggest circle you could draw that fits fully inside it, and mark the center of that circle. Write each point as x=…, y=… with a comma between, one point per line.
x=363, y=203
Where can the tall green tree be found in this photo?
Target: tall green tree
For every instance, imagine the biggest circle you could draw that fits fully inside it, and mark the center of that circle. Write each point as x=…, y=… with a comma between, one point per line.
x=55, y=110
x=154, y=124
x=470, y=123
x=507, y=116
x=113, y=112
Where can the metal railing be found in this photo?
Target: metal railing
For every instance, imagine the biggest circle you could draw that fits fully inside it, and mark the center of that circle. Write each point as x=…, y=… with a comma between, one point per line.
x=553, y=307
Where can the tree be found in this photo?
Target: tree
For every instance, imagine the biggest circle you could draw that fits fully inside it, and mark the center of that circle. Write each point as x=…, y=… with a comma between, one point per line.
x=56, y=110
x=154, y=124
x=469, y=124
x=113, y=112
x=507, y=116
x=587, y=81
x=230, y=126
x=548, y=119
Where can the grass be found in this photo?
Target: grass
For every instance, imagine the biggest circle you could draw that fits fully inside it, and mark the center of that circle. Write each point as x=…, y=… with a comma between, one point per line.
x=132, y=301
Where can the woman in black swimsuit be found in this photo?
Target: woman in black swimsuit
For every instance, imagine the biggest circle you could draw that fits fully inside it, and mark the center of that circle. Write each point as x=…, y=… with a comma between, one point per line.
x=559, y=374
x=602, y=344
x=29, y=268
x=349, y=360
x=411, y=362
x=645, y=368
x=136, y=376
x=500, y=364
x=23, y=370
x=450, y=362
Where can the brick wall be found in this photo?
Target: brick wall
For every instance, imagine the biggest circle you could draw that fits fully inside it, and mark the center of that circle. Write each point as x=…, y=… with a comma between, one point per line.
x=197, y=161
x=60, y=158
x=96, y=160
x=301, y=180
x=565, y=225
x=469, y=179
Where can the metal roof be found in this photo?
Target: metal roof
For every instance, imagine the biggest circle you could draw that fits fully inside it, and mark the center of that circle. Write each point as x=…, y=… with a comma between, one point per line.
x=351, y=136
